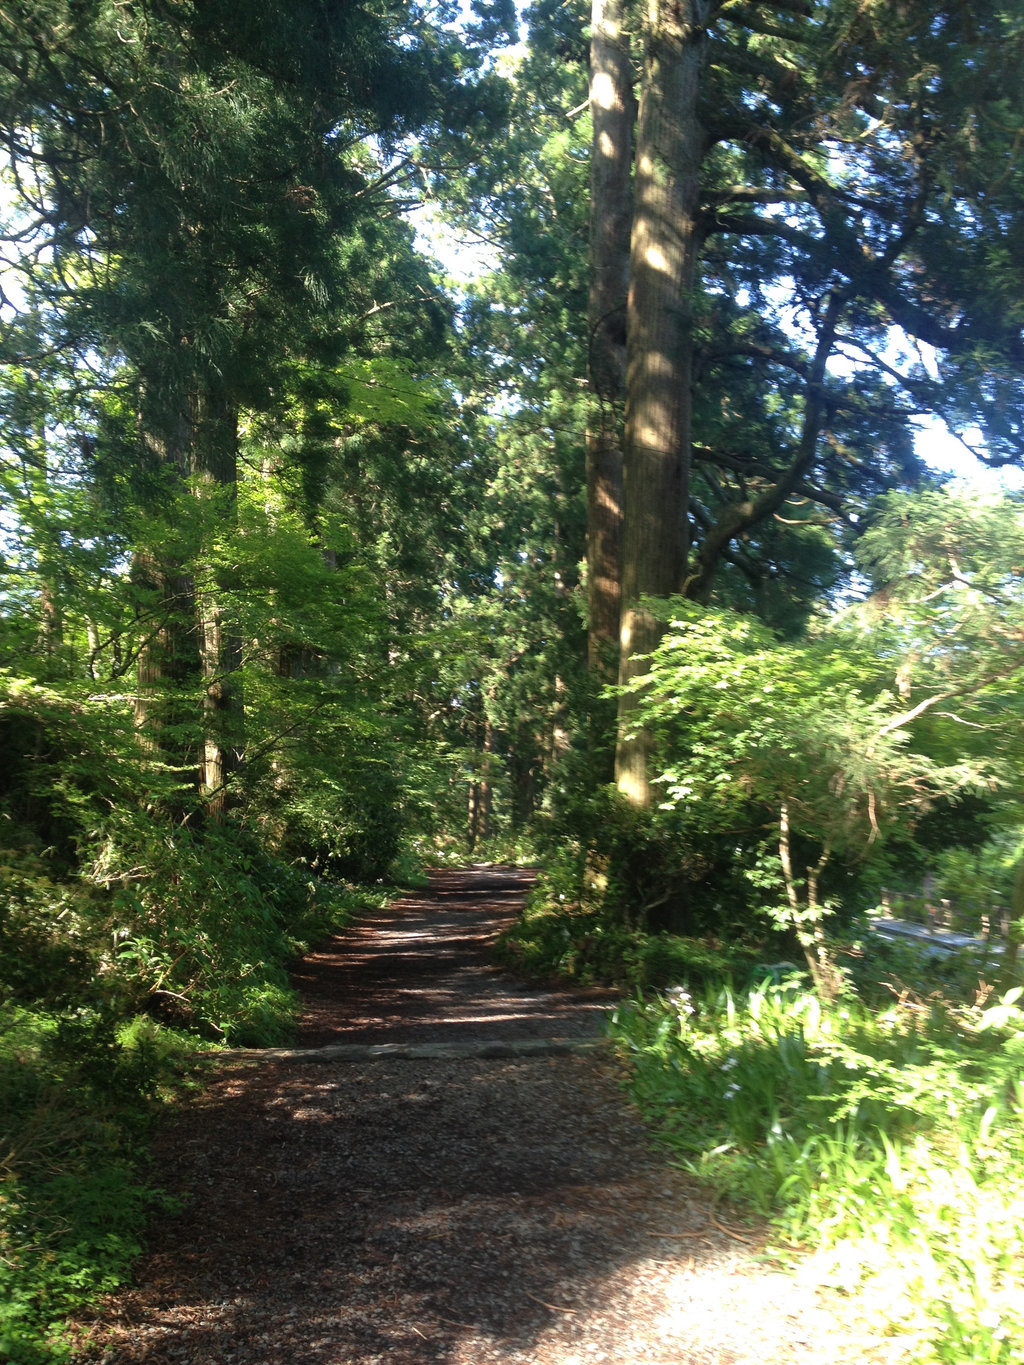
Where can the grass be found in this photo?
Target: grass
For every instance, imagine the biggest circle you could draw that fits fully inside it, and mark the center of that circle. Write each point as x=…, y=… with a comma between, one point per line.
x=888, y=1142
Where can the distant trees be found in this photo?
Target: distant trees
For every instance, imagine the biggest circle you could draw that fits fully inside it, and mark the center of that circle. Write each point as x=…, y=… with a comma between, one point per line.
x=237, y=488
x=200, y=205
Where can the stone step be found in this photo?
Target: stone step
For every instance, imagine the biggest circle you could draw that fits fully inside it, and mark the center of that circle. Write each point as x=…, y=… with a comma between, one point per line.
x=377, y=1052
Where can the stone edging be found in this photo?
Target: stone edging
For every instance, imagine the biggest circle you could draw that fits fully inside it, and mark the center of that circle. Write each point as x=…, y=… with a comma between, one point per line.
x=379, y=1052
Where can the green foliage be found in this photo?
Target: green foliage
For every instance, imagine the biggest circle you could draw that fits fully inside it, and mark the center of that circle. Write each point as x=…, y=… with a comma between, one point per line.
x=837, y=743
x=657, y=871
x=809, y=726
x=127, y=907
x=76, y=1096
x=887, y=1143
x=113, y=917
x=344, y=819
x=198, y=928
x=578, y=946
x=259, y=499
x=978, y=882
x=45, y=945
x=563, y=934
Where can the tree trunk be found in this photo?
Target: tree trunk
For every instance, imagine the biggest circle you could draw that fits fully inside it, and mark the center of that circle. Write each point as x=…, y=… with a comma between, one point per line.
x=51, y=614
x=485, y=805
x=807, y=929
x=524, y=767
x=190, y=646
x=481, y=790
x=51, y=618
x=167, y=657
x=215, y=467
x=612, y=110
x=666, y=241
x=473, y=815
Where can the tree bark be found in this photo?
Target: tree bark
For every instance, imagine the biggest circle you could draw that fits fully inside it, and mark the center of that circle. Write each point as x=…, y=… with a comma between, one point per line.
x=481, y=790
x=167, y=658
x=192, y=646
x=215, y=469
x=666, y=242
x=806, y=924
x=612, y=109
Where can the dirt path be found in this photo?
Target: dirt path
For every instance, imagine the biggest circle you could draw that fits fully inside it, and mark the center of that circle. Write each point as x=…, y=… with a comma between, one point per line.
x=455, y=1208
x=423, y=971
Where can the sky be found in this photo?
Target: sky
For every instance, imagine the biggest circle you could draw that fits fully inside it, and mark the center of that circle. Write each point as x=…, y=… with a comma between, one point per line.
x=466, y=260
x=943, y=452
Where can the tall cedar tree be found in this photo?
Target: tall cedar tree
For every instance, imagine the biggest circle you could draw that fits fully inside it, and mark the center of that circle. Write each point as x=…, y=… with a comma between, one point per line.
x=811, y=183
x=805, y=206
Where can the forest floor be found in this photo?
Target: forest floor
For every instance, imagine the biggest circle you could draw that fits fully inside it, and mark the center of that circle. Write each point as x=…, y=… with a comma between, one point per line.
x=429, y=1178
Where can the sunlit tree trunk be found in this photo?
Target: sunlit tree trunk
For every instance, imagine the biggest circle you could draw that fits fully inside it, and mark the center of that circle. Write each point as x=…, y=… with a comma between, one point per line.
x=612, y=110
x=666, y=241
x=807, y=929
x=51, y=616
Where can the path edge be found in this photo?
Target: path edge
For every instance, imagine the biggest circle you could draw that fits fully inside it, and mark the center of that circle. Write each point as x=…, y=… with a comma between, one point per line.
x=371, y=1052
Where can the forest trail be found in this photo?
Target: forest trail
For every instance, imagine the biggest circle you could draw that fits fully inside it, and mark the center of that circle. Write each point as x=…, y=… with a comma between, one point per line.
x=423, y=971
x=371, y=1209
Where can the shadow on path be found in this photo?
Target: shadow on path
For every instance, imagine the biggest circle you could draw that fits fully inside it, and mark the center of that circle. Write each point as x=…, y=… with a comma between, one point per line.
x=399, y=1213
x=423, y=971
x=441, y=1211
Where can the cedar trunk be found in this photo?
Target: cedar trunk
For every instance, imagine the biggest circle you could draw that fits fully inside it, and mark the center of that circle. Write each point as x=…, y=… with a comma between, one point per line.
x=215, y=469
x=189, y=644
x=168, y=659
x=612, y=110
x=666, y=242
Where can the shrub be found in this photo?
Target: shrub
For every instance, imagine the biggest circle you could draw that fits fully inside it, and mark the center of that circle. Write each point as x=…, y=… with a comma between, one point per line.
x=198, y=928
x=76, y=1096
x=559, y=937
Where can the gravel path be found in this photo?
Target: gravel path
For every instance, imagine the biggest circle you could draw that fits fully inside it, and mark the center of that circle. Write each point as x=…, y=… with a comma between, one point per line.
x=355, y=1209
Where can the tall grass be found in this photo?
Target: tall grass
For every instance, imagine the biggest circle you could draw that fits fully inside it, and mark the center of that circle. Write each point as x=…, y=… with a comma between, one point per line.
x=890, y=1143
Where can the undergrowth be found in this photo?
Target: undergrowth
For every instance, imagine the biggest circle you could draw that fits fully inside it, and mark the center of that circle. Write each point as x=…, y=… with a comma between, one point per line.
x=78, y=1091
x=81, y=1081
x=115, y=973
x=890, y=1142
x=557, y=936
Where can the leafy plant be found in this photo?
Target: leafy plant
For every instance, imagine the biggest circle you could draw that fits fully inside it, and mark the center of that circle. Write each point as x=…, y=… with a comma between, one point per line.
x=76, y=1097
x=888, y=1144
